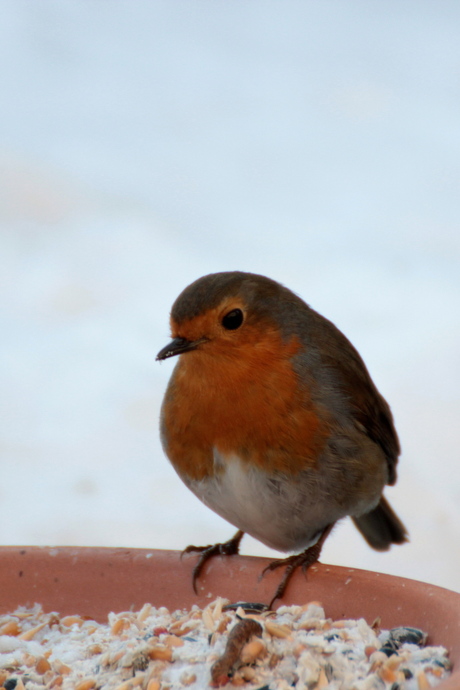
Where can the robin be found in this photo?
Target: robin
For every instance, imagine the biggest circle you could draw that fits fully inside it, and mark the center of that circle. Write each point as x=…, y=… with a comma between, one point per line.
x=273, y=421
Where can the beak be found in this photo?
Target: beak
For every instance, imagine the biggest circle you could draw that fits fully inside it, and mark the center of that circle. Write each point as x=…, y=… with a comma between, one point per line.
x=178, y=346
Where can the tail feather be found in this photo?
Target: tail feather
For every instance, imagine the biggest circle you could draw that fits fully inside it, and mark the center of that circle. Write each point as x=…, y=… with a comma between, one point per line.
x=381, y=527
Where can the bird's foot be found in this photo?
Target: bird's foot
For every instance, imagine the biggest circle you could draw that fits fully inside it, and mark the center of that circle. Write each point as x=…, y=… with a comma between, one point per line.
x=304, y=560
x=227, y=548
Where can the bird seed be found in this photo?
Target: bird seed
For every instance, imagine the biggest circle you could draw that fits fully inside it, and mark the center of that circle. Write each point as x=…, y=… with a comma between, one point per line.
x=219, y=646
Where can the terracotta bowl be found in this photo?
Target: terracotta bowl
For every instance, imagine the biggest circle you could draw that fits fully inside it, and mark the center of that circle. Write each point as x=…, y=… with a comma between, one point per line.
x=94, y=581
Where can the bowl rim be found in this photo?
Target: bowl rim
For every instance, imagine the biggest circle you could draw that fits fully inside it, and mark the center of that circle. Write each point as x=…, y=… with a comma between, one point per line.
x=92, y=581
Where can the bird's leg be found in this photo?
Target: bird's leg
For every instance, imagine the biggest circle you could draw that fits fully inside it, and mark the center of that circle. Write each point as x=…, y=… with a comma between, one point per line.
x=228, y=548
x=304, y=559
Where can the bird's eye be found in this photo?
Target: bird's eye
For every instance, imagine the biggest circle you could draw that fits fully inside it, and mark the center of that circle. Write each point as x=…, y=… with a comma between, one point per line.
x=233, y=320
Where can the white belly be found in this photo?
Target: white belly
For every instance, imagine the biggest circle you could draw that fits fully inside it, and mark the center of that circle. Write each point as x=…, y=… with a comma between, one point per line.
x=287, y=515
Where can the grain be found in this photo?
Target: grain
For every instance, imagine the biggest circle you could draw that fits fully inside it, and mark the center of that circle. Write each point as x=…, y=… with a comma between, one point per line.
x=154, y=649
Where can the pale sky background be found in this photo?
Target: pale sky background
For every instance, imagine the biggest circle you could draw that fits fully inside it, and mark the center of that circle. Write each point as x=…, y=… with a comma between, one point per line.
x=144, y=144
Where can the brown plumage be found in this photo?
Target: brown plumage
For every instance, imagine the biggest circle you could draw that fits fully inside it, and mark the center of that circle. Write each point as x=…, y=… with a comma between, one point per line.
x=272, y=420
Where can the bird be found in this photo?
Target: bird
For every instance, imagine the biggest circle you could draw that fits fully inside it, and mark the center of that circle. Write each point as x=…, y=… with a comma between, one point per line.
x=272, y=420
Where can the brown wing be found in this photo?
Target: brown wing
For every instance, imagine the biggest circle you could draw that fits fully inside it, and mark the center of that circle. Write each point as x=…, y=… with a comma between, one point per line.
x=344, y=382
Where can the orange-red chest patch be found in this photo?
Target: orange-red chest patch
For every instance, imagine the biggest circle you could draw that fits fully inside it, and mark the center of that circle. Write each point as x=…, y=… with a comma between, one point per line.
x=244, y=402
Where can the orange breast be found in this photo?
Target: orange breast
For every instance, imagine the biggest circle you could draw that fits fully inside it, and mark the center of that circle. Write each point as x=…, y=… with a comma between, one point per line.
x=244, y=402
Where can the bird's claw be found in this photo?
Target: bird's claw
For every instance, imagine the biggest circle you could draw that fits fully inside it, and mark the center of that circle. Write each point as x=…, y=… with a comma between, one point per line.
x=304, y=560
x=227, y=548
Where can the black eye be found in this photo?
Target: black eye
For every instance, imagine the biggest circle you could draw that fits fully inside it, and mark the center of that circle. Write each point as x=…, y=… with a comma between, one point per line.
x=233, y=320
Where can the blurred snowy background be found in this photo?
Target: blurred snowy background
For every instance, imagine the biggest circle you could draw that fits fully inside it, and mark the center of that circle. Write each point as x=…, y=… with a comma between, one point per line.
x=144, y=143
